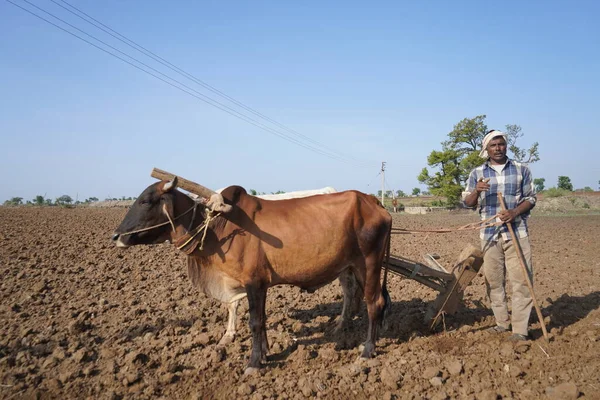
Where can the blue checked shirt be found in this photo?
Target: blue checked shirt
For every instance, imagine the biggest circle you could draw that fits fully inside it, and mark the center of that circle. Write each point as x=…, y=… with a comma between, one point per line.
x=516, y=185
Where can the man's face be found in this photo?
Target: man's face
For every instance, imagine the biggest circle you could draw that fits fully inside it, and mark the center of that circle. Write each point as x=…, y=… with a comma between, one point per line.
x=496, y=149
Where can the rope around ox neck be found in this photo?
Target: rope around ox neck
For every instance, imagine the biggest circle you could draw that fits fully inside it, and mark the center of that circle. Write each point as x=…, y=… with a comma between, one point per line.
x=199, y=228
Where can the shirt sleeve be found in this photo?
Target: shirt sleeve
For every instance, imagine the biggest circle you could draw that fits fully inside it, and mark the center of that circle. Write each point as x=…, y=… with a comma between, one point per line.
x=471, y=184
x=528, y=187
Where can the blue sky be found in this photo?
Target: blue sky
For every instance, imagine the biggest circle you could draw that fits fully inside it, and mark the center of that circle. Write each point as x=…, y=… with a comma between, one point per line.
x=383, y=82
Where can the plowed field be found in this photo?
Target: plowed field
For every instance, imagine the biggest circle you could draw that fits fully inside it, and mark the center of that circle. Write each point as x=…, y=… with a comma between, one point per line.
x=80, y=318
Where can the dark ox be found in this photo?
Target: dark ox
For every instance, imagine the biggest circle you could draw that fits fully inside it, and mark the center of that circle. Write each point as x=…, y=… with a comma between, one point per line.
x=306, y=242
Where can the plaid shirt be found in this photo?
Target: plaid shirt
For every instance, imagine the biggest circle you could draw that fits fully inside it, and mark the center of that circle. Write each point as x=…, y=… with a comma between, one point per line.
x=516, y=185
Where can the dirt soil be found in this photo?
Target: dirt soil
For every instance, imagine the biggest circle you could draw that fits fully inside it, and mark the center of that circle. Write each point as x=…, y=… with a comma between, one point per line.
x=80, y=318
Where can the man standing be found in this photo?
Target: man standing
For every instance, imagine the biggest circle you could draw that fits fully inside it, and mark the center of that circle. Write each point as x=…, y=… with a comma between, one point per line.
x=512, y=179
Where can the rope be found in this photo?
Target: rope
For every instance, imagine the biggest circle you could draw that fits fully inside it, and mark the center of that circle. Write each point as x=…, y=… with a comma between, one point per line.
x=415, y=271
x=472, y=226
x=159, y=225
x=199, y=229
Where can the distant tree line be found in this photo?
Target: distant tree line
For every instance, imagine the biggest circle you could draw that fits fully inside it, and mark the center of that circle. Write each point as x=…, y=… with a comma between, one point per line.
x=65, y=201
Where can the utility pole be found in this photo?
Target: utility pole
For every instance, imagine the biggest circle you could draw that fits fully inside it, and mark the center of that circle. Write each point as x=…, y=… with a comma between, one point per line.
x=383, y=183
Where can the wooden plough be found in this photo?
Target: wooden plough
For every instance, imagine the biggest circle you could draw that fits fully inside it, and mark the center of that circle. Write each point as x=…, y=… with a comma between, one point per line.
x=449, y=284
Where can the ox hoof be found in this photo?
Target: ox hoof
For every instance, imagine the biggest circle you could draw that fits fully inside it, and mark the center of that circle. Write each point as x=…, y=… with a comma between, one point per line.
x=359, y=360
x=226, y=339
x=251, y=371
x=337, y=328
x=367, y=351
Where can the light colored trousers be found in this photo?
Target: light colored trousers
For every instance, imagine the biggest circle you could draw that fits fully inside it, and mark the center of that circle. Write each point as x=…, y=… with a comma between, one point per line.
x=496, y=256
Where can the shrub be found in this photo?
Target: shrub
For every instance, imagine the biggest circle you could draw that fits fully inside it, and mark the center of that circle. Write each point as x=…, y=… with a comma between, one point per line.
x=556, y=192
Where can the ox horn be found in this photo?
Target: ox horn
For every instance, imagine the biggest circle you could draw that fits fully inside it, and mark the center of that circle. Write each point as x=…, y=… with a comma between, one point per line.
x=170, y=185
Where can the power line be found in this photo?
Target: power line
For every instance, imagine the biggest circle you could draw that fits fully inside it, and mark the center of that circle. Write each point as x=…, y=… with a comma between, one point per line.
x=124, y=39
x=198, y=95
x=179, y=85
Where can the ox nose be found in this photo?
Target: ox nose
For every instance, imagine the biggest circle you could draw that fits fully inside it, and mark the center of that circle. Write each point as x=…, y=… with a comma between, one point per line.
x=115, y=237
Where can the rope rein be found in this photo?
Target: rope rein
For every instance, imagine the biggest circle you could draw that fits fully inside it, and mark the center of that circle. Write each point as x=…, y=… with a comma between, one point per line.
x=200, y=228
x=472, y=226
x=159, y=225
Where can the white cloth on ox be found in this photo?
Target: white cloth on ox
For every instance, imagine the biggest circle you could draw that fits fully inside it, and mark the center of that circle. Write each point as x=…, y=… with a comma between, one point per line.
x=297, y=194
x=293, y=195
x=488, y=138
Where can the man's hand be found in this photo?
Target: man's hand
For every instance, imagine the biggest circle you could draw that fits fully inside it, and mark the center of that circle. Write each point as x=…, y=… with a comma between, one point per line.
x=507, y=216
x=482, y=185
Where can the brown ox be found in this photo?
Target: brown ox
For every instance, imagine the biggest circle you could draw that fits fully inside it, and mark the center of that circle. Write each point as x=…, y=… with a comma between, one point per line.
x=306, y=242
x=346, y=279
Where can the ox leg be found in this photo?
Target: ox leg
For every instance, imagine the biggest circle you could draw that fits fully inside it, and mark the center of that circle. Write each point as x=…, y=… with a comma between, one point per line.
x=256, y=303
x=376, y=302
x=229, y=335
x=264, y=341
x=352, y=297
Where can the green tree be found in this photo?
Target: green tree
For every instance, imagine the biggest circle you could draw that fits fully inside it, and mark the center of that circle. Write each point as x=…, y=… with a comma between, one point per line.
x=460, y=154
x=564, y=182
x=64, y=199
x=588, y=189
x=538, y=183
x=527, y=156
x=416, y=191
x=49, y=202
x=39, y=200
x=253, y=192
x=389, y=194
x=400, y=193
x=15, y=201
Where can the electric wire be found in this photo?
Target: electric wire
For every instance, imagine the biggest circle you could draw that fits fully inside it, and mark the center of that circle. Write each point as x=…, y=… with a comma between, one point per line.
x=124, y=39
x=190, y=91
x=198, y=95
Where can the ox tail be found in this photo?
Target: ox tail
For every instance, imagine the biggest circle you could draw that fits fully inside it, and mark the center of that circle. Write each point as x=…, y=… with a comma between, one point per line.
x=386, y=295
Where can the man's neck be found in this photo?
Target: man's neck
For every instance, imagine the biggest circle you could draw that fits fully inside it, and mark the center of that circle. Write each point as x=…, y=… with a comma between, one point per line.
x=492, y=162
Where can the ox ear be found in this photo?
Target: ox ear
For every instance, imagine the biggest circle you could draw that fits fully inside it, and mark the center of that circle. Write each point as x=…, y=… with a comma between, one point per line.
x=170, y=185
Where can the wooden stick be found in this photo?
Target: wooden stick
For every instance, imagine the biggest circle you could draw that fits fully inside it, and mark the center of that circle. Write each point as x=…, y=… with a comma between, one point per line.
x=524, y=268
x=183, y=183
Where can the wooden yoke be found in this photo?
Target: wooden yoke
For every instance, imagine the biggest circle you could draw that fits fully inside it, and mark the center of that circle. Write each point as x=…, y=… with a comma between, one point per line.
x=215, y=200
x=182, y=183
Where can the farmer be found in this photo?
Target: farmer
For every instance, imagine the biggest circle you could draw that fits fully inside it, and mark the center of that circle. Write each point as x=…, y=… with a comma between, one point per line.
x=513, y=179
